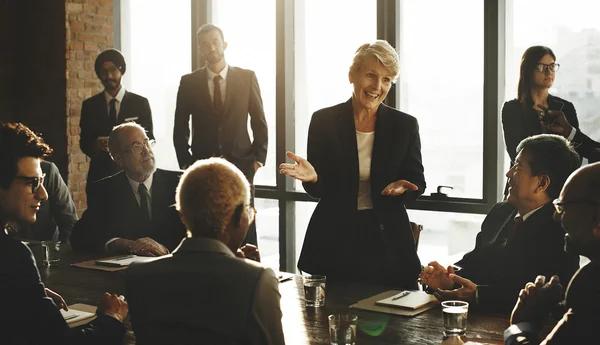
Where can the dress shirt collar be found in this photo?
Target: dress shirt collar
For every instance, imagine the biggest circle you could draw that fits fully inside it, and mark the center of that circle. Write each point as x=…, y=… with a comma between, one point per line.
x=118, y=97
x=203, y=244
x=223, y=73
x=528, y=214
x=135, y=185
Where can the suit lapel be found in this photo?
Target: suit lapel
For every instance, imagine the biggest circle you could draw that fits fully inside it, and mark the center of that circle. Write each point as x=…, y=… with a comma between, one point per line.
x=234, y=83
x=349, y=146
x=130, y=204
x=508, y=222
x=125, y=108
x=203, y=95
x=383, y=130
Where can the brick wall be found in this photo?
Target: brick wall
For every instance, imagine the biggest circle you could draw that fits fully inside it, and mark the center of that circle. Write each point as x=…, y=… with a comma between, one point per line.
x=89, y=26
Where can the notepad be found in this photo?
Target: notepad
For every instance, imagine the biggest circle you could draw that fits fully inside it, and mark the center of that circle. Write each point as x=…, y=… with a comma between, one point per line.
x=124, y=261
x=78, y=314
x=407, y=299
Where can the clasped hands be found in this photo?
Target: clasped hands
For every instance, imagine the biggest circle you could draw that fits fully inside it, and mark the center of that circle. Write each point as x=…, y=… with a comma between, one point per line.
x=248, y=251
x=559, y=124
x=303, y=171
x=536, y=300
x=442, y=281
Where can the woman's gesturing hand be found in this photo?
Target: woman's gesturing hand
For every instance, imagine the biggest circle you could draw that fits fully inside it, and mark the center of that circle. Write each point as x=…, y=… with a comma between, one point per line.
x=300, y=170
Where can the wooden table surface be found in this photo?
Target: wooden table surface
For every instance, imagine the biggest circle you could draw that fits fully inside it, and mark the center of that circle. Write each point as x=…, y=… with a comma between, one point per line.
x=301, y=325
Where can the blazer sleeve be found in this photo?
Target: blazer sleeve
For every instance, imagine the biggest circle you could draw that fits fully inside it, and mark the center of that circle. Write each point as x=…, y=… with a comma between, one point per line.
x=147, y=114
x=315, y=155
x=258, y=121
x=511, y=127
x=181, y=129
x=87, y=137
x=412, y=166
x=90, y=233
x=44, y=318
x=61, y=204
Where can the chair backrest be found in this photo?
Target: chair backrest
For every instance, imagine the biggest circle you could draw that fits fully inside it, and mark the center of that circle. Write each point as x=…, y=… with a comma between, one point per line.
x=416, y=231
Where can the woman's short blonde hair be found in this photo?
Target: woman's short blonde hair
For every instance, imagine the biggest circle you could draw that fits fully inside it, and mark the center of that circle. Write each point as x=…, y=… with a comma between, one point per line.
x=208, y=195
x=382, y=51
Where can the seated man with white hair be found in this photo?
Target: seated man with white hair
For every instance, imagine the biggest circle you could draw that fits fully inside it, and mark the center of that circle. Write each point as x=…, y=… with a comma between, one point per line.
x=203, y=291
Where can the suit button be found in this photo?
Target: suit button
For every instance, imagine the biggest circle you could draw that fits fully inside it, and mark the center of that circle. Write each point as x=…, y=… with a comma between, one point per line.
x=381, y=227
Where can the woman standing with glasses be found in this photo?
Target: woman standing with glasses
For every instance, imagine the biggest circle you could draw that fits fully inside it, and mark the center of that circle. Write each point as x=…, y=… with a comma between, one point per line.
x=536, y=111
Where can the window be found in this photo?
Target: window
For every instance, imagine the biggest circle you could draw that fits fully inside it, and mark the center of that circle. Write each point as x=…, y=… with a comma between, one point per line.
x=156, y=44
x=325, y=42
x=267, y=228
x=251, y=45
x=441, y=84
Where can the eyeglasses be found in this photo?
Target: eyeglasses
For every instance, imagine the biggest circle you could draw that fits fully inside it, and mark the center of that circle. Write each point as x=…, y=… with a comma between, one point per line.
x=35, y=182
x=139, y=148
x=111, y=70
x=251, y=213
x=542, y=67
x=559, y=206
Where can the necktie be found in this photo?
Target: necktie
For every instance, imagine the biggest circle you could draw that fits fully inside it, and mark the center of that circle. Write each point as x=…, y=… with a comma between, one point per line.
x=517, y=225
x=217, y=100
x=112, y=114
x=144, y=201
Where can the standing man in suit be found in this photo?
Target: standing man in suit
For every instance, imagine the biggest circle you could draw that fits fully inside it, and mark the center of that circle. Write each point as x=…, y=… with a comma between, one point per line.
x=578, y=210
x=30, y=315
x=219, y=98
x=198, y=299
x=131, y=211
x=519, y=238
x=100, y=113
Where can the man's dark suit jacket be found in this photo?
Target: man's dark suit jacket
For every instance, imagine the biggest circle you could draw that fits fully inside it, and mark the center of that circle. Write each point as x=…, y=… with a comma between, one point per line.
x=29, y=317
x=225, y=134
x=95, y=123
x=519, y=124
x=113, y=211
x=333, y=151
x=580, y=323
x=204, y=292
x=501, y=266
x=57, y=215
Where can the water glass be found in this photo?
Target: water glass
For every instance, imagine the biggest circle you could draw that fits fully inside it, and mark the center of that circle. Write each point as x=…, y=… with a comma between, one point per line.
x=50, y=252
x=342, y=329
x=455, y=317
x=314, y=290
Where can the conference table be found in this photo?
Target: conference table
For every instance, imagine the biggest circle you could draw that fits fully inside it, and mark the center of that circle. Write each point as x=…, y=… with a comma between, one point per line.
x=301, y=325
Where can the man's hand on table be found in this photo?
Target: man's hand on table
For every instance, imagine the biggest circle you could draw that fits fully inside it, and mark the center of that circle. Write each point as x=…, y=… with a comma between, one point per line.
x=114, y=306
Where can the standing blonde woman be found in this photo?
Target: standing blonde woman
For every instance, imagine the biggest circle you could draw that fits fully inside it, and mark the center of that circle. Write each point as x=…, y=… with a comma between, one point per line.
x=364, y=164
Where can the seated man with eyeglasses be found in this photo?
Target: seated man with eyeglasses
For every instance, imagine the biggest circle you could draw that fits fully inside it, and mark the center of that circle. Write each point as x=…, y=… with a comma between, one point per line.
x=207, y=295
x=28, y=315
x=519, y=238
x=131, y=211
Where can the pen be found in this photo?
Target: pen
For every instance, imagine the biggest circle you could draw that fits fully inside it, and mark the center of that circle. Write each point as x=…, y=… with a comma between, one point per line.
x=400, y=295
x=72, y=316
x=123, y=258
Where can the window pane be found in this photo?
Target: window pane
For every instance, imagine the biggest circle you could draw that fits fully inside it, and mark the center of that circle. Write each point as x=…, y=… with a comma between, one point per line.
x=573, y=33
x=446, y=237
x=267, y=228
x=443, y=88
x=155, y=40
x=325, y=43
x=251, y=45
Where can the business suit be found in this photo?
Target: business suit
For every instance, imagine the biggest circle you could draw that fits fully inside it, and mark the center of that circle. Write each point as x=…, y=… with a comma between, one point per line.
x=221, y=134
x=579, y=324
x=29, y=317
x=57, y=214
x=519, y=123
x=95, y=123
x=113, y=211
x=333, y=152
x=190, y=297
x=502, y=263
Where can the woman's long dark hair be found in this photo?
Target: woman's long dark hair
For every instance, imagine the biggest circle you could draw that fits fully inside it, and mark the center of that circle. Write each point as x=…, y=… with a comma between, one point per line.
x=528, y=62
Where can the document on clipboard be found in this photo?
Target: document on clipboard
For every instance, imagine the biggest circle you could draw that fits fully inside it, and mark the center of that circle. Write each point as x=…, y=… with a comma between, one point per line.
x=407, y=299
x=124, y=261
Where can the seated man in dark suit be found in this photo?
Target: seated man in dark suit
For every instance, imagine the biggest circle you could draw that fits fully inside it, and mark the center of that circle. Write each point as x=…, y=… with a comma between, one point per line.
x=29, y=316
x=205, y=291
x=57, y=215
x=132, y=211
x=578, y=210
x=518, y=238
